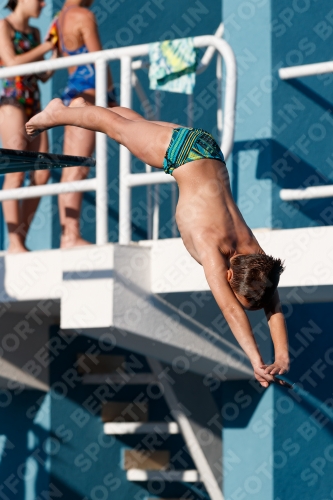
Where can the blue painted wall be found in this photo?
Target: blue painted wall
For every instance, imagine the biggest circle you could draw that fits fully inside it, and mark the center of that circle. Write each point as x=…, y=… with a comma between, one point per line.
x=248, y=31
x=303, y=442
x=283, y=128
x=303, y=122
x=278, y=442
x=25, y=444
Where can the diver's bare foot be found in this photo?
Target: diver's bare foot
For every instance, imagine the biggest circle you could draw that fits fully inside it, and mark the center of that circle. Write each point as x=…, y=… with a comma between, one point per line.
x=71, y=242
x=79, y=102
x=46, y=119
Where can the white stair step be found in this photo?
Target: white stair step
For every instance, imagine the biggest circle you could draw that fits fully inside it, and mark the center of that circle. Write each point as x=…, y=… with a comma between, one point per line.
x=120, y=379
x=114, y=428
x=187, y=476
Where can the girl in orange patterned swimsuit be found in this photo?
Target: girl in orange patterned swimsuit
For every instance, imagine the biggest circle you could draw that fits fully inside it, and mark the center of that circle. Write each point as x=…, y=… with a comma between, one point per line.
x=19, y=101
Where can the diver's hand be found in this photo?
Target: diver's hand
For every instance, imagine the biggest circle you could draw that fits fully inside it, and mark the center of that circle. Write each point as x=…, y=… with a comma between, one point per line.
x=279, y=367
x=264, y=379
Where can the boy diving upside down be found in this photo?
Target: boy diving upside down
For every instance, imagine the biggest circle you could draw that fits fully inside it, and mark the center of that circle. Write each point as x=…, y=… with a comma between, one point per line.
x=213, y=230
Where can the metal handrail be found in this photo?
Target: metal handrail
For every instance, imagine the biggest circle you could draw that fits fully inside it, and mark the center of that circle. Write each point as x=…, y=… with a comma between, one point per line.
x=310, y=193
x=192, y=442
x=127, y=180
x=306, y=70
x=313, y=192
x=153, y=202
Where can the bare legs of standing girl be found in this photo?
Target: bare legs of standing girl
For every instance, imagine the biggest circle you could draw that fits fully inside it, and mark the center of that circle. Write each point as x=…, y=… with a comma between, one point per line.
x=77, y=142
x=18, y=215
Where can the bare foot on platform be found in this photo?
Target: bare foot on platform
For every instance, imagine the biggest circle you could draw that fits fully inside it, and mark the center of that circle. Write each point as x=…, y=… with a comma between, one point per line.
x=71, y=242
x=46, y=119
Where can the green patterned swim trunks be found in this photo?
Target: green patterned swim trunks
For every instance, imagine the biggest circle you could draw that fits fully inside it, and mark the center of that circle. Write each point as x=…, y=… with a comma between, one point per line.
x=190, y=144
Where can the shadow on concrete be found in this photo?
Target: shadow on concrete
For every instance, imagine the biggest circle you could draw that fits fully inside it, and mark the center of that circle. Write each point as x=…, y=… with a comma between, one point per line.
x=310, y=94
x=271, y=160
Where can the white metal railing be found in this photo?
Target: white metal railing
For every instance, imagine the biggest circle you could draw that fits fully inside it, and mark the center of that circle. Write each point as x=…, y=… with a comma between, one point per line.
x=127, y=179
x=192, y=442
x=309, y=193
x=153, y=193
x=306, y=70
x=313, y=192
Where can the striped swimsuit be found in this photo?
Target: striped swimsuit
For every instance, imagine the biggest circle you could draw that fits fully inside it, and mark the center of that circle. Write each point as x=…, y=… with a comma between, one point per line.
x=22, y=90
x=190, y=144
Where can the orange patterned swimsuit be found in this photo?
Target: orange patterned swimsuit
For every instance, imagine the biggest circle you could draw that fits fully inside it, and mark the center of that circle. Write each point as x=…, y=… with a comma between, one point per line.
x=22, y=90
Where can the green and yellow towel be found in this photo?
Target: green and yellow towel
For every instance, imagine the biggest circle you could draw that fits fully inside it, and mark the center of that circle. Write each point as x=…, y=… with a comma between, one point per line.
x=172, y=65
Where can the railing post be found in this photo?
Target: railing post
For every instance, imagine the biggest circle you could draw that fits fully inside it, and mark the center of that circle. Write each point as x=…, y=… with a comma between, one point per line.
x=156, y=197
x=219, y=117
x=229, y=97
x=125, y=156
x=101, y=159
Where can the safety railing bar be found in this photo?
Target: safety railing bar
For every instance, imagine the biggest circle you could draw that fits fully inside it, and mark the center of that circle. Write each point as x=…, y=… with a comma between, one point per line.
x=48, y=190
x=89, y=58
x=140, y=50
x=314, y=192
x=152, y=221
x=125, y=155
x=101, y=158
x=230, y=88
x=309, y=193
x=230, y=92
x=126, y=54
x=129, y=180
x=306, y=70
x=156, y=188
x=140, y=64
x=146, y=179
x=219, y=117
x=79, y=60
x=210, y=51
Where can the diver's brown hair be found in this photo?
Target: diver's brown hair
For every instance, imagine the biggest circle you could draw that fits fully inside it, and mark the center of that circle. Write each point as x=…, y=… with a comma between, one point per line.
x=255, y=277
x=11, y=4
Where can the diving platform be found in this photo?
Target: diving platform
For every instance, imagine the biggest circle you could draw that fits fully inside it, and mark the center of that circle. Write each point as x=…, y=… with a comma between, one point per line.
x=151, y=297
